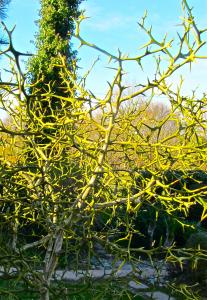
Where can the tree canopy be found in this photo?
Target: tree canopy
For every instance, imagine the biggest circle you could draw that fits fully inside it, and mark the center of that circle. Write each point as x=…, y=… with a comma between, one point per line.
x=3, y=8
x=53, y=41
x=54, y=48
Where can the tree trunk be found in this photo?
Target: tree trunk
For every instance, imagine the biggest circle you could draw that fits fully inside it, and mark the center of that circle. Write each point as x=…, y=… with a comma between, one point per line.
x=51, y=259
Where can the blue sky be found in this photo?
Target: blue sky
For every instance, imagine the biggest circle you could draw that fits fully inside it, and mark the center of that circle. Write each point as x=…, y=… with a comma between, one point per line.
x=113, y=25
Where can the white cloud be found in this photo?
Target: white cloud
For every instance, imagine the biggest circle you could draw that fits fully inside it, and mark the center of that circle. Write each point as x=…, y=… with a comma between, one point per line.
x=110, y=22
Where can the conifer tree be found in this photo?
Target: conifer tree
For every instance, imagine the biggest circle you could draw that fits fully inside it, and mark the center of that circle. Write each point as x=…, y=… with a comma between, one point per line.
x=3, y=7
x=53, y=43
x=56, y=26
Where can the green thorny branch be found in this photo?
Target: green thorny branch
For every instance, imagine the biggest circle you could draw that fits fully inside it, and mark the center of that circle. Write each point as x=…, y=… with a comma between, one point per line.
x=112, y=161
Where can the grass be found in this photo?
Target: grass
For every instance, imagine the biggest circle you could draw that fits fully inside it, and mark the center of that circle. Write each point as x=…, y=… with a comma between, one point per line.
x=101, y=290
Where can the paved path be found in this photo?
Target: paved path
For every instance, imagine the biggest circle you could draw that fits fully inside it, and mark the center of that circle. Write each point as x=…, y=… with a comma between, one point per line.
x=145, y=272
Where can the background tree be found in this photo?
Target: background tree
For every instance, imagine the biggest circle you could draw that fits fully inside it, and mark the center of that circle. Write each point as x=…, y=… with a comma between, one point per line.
x=54, y=48
x=56, y=26
x=3, y=8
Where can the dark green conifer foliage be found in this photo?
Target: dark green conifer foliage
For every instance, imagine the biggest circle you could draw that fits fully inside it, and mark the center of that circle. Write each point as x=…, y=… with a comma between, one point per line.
x=53, y=43
x=56, y=25
x=3, y=8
